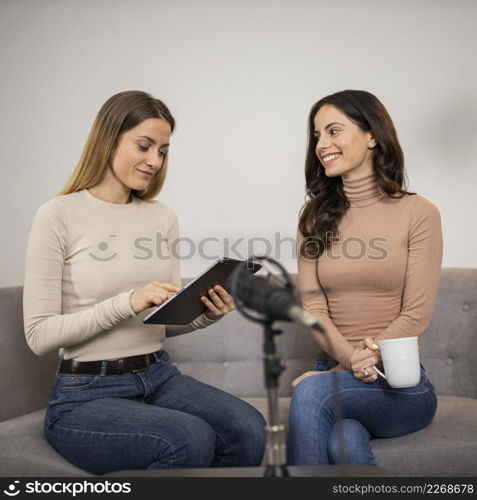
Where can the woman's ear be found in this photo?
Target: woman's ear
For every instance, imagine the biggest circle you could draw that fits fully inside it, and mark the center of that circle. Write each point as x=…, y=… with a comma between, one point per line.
x=372, y=141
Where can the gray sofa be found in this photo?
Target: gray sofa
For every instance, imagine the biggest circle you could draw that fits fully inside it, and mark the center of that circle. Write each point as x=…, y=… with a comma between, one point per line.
x=229, y=355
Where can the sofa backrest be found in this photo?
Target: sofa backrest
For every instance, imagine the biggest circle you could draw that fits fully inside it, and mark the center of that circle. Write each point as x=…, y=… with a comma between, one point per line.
x=449, y=346
x=229, y=354
x=25, y=378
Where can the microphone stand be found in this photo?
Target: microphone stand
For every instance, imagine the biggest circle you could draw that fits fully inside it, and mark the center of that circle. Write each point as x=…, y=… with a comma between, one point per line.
x=276, y=456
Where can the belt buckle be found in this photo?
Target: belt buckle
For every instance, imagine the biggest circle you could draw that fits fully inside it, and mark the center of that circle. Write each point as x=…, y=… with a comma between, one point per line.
x=148, y=363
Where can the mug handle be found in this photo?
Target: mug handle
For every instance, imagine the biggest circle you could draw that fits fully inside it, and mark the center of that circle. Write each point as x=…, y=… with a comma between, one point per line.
x=380, y=373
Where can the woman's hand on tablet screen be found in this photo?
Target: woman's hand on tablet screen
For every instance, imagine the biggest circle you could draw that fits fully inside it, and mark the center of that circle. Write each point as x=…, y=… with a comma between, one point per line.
x=219, y=302
x=153, y=294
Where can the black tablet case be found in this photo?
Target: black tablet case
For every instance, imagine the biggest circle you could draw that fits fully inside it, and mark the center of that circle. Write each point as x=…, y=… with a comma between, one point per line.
x=186, y=305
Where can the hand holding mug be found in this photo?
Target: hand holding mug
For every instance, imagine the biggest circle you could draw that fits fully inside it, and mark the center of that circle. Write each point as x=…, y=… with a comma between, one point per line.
x=400, y=362
x=363, y=361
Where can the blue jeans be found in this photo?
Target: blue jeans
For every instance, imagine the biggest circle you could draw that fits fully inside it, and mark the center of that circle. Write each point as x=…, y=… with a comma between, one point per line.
x=334, y=415
x=151, y=419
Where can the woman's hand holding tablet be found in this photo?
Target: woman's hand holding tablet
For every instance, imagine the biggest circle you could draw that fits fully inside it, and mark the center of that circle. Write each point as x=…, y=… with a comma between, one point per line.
x=220, y=303
x=199, y=296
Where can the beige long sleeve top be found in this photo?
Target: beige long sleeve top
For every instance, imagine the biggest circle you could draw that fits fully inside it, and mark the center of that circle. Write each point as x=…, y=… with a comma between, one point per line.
x=84, y=259
x=380, y=277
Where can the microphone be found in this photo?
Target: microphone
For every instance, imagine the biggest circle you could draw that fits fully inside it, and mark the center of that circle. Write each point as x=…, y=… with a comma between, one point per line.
x=274, y=302
x=271, y=302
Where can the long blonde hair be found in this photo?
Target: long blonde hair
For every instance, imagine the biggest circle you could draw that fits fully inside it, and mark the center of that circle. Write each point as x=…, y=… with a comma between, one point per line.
x=119, y=113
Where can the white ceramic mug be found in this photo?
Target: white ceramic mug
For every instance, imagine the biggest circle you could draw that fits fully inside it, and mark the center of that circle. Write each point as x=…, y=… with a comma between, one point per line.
x=400, y=361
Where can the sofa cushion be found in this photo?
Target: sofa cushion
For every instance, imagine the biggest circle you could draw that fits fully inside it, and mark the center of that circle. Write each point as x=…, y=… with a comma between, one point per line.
x=26, y=452
x=447, y=447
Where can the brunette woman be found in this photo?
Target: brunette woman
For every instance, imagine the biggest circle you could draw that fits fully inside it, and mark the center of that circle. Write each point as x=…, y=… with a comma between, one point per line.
x=369, y=267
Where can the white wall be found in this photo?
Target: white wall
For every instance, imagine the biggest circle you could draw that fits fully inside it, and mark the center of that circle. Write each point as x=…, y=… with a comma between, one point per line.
x=240, y=78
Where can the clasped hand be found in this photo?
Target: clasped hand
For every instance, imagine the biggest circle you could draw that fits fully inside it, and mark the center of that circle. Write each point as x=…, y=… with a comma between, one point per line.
x=365, y=356
x=218, y=302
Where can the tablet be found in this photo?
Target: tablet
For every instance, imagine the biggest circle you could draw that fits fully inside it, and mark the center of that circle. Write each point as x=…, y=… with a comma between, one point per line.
x=186, y=305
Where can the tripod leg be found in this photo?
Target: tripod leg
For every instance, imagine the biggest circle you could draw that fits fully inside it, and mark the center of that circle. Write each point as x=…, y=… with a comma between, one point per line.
x=276, y=448
x=276, y=443
x=276, y=471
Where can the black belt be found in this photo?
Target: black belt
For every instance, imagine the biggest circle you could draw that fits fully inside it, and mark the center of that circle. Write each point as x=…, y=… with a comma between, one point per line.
x=116, y=367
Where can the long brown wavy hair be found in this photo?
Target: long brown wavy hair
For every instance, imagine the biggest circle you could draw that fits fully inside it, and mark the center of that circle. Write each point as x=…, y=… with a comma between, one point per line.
x=119, y=113
x=325, y=201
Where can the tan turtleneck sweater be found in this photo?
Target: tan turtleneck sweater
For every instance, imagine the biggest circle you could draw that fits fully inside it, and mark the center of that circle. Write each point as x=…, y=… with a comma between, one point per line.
x=380, y=277
x=85, y=257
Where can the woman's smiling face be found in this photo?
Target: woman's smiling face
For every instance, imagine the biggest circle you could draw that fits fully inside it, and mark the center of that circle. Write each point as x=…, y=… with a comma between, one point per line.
x=342, y=147
x=140, y=153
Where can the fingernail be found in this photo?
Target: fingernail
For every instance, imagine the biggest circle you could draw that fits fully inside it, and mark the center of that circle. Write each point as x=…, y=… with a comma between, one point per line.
x=374, y=346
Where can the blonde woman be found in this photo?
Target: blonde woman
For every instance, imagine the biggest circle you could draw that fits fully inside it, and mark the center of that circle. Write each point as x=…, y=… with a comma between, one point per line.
x=117, y=403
